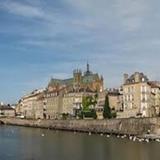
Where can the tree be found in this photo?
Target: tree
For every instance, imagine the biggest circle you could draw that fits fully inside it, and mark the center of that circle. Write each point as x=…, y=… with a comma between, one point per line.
x=107, y=111
x=88, y=103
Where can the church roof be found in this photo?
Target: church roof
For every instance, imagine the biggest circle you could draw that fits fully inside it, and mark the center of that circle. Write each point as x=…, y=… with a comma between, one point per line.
x=89, y=78
x=61, y=82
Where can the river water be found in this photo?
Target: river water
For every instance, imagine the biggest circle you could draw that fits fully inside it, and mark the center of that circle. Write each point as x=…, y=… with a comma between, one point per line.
x=20, y=143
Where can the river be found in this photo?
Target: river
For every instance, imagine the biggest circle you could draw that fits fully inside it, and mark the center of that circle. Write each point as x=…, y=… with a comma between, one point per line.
x=20, y=143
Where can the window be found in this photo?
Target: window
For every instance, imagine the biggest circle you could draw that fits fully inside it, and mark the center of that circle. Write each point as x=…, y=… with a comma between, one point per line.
x=145, y=97
x=131, y=105
x=143, y=88
x=129, y=89
x=132, y=88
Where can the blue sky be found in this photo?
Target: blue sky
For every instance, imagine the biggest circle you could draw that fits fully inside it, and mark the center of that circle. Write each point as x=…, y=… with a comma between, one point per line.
x=43, y=39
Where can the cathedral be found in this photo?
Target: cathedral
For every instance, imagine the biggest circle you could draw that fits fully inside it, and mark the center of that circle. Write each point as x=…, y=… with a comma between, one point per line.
x=87, y=82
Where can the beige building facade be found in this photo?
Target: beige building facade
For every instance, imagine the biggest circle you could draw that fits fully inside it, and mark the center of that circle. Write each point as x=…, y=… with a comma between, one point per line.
x=155, y=89
x=138, y=98
x=53, y=105
x=115, y=99
x=7, y=111
x=31, y=105
x=100, y=104
x=68, y=103
x=61, y=96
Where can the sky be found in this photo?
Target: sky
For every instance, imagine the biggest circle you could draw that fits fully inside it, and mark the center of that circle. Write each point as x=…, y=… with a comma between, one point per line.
x=43, y=39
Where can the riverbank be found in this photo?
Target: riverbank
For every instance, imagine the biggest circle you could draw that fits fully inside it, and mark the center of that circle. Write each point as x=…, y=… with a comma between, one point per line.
x=132, y=126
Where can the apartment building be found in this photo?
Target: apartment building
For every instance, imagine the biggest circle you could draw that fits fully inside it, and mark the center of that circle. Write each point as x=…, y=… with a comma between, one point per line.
x=138, y=96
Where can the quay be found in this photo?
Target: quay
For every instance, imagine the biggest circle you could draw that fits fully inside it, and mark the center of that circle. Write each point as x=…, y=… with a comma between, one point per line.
x=139, y=127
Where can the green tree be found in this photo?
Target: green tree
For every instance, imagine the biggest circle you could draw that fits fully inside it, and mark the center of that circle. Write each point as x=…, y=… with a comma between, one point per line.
x=107, y=111
x=87, y=102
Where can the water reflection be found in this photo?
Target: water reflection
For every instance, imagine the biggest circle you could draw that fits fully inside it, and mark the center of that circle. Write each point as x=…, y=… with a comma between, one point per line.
x=19, y=143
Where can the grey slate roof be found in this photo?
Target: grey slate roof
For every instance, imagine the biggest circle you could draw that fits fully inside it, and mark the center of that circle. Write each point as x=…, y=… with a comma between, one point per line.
x=5, y=107
x=87, y=78
x=142, y=77
x=61, y=82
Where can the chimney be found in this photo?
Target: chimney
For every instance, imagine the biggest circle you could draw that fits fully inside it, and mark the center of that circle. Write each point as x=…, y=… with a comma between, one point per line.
x=137, y=77
x=125, y=77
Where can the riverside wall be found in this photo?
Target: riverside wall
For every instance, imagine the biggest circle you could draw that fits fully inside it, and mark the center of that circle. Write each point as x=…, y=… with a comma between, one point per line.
x=131, y=126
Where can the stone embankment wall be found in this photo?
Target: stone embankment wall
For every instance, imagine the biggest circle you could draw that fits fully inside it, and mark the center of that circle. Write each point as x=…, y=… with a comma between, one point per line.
x=130, y=126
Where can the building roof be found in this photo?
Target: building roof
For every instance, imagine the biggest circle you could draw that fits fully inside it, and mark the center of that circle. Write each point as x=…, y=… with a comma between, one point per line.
x=54, y=81
x=153, y=84
x=87, y=77
x=132, y=78
x=113, y=92
x=5, y=107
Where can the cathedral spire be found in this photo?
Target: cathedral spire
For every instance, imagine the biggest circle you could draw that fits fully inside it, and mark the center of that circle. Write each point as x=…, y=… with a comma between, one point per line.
x=88, y=67
x=88, y=72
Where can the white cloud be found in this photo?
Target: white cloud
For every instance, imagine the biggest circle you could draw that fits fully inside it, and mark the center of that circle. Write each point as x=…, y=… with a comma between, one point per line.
x=22, y=9
x=128, y=14
x=131, y=13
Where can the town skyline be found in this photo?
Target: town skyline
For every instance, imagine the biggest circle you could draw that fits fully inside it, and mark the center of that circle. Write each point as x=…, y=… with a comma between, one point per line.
x=63, y=77
x=40, y=40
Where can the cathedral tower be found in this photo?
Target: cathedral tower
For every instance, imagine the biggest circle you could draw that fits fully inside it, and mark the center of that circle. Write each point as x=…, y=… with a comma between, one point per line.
x=77, y=77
